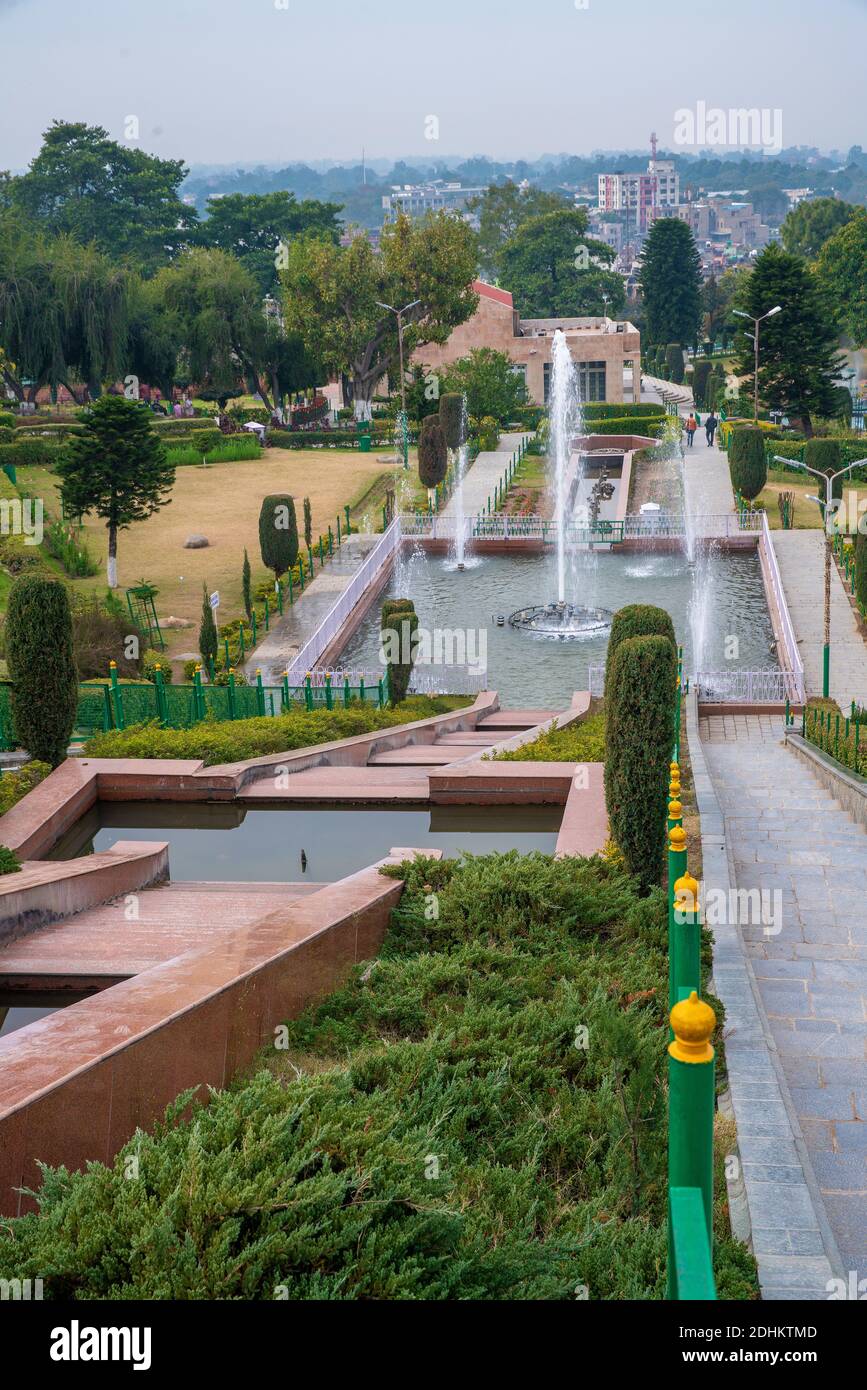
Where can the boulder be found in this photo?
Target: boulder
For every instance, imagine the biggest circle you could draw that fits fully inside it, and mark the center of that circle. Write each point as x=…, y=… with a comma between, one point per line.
x=196, y=542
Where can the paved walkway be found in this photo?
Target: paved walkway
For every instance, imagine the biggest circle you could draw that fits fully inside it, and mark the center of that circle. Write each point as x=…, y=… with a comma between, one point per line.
x=288, y=634
x=802, y=567
x=787, y=834
x=482, y=477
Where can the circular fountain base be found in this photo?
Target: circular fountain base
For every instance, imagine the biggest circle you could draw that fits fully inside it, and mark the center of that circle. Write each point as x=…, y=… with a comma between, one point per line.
x=562, y=622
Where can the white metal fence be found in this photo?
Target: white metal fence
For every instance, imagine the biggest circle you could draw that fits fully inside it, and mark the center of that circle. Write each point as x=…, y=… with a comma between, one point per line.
x=636, y=526
x=764, y=687
x=311, y=652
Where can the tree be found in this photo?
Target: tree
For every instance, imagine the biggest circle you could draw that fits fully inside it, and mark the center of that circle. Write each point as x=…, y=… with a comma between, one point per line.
x=208, y=641
x=861, y=570
x=701, y=370
x=553, y=268
x=826, y=456
x=116, y=468
x=748, y=464
x=670, y=283
x=453, y=418
x=216, y=306
x=398, y=626
x=123, y=201
x=64, y=311
x=254, y=227
x=432, y=452
x=639, y=736
x=502, y=209
x=489, y=381
x=332, y=296
x=39, y=653
x=798, y=360
x=674, y=362
x=637, y=620
x=245, y=586
x=278, y=533
x=841, y=270
x=308, y=524
x=809, y=225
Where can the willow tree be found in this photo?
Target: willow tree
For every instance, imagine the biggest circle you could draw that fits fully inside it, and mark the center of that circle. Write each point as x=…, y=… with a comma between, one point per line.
x=334, y=296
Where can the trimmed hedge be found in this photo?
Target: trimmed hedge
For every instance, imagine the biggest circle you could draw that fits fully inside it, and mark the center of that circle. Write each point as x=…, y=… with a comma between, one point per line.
x=41, y=451
x=433, y=1131
x=39, y=653
x=638, y=620
x=398, y=623
x=236, y=740
x=747, y=462
x=640, y=700
x=861, y=571
x=651, y=426
x=600, y=410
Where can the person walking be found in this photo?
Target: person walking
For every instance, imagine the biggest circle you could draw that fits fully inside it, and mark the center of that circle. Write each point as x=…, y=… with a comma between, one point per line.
x=690, y=428
x=710, y=425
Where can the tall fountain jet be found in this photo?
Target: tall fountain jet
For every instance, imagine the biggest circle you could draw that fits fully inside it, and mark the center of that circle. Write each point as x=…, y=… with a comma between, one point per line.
x=564, y=422
x=460, y=474
x=563, y=620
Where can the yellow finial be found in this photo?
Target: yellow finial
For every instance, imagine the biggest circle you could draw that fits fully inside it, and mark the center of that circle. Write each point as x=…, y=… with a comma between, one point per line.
x=692, y=1022
x=258, y=671
x=686, y=894
x=157, y=666
x=674, y=769
x=231, y=670
x=675, y=810
x=112, y=664
x=677, y=839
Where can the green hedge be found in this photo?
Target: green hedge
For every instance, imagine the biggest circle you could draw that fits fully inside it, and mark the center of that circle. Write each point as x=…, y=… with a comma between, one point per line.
x=651, y=426
x=35, y=451
x=580, y=742
x=640, y=702
x=225, y=449
x=599, y=410
x=747, y=462
x=434, y=1130
x=638, y=620
x=861, y=571
x=236, y=740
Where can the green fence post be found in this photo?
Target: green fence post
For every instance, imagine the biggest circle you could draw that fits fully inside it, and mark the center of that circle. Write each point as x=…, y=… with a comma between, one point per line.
x=260, y=694
x=339, y=538
x=241, y=640
x=330, y=540
x=349, y=523
x=226, y=649
x=361, y=689
x=162, y=708
x=267, y=615
x=301, y=572
x=676, y=870
x=384, y=519
x=690, y=1113
x=687, y=926
x=329, y=696
x=346, y=691
x=231, y=687
x=106, y=709
x=280, y=596
x=836, y=735
x=380, y=693
x=198, y=693
x=253, y=627
x=311, y=562
x=116, y=696
x=308, y=691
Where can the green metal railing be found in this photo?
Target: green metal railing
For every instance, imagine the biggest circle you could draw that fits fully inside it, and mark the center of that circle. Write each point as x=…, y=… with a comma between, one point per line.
x=691, y=1066
x=112, y=704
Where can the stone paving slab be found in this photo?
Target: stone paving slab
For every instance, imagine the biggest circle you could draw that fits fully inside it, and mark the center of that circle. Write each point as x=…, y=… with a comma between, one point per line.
x=811, y=983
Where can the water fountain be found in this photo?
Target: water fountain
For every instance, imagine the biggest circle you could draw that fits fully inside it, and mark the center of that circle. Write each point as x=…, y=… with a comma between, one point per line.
x=460, y=473
x=563, y=620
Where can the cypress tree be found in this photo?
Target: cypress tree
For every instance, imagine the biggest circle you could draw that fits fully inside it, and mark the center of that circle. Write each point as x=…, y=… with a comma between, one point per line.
x=308, y=524
x=398, y=625
x=208, y=641
x=638, y=620
x=748, y=463
x=245, y=586
x=639, y=736
x=861, y=571
x=674, y=362
x=39, y=654
x=432, y=457
x=452, y=418
x=278, y=533
x=826, y=456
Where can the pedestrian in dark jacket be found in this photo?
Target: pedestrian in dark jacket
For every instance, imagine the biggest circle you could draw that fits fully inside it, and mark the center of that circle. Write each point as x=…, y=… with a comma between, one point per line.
x=710, y=425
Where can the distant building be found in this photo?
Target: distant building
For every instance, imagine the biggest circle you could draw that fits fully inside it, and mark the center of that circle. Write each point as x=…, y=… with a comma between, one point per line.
x=416, y=200
x=600, y=347
x=641, y=195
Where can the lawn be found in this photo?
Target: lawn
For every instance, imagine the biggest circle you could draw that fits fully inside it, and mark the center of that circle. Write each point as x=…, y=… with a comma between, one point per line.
x=222, y=502
x=807, y=515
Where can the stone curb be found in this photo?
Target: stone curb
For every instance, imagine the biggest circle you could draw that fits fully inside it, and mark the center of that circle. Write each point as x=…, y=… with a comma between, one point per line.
x=790, y=1234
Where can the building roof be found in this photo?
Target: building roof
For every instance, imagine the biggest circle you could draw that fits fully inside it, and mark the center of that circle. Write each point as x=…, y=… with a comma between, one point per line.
x=486, y=291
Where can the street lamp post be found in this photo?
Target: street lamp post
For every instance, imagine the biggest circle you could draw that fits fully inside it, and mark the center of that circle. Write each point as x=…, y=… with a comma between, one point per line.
x=829, y=480
x=399, y=313
x=755, y=341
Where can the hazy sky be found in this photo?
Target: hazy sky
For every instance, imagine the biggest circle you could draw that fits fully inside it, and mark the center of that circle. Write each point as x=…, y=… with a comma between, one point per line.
x=248, y=81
